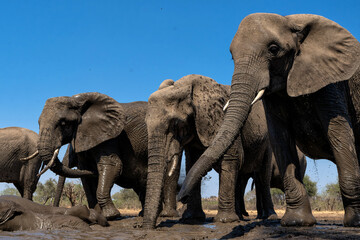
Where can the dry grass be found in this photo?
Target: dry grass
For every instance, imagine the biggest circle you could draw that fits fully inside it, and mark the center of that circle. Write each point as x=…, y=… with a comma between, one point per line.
x=317, y=214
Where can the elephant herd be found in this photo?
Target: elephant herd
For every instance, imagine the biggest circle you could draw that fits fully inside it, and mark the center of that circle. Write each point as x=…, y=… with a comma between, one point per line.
x=295, y=91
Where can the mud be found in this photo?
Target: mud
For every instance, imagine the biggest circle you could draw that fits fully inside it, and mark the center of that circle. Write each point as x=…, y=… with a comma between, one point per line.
x=329, y=226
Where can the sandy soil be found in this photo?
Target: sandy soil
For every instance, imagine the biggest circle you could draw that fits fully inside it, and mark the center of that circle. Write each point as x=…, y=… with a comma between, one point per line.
x=329, y=226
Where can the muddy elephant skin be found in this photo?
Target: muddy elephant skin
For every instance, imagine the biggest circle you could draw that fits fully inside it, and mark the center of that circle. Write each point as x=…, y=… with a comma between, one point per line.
x=18, y=213
x=306, y=67
x=16, y=144
x=185, y=115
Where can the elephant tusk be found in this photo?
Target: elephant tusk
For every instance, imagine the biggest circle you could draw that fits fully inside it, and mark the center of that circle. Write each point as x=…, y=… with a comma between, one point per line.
x=50, y=164
x=258, y=96
x=173, y=166
x=31, y=156
x=226, y=105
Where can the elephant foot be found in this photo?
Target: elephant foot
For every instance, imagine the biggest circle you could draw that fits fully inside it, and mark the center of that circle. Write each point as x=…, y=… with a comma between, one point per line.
x=273, y=216
x=110, y=213
x=352, y=217
x=246, y=214
x=191, y=217
x=169, y=212
x=98, y=218
x=226, y=217
x=301, y=216
x=269, y=216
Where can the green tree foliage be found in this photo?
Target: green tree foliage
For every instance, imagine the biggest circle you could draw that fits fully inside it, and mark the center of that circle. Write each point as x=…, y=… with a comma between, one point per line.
x=45, y=193
x=310, y=186
x=126, y=198
x=278, y=197
x=10, y=191
x=332, y=197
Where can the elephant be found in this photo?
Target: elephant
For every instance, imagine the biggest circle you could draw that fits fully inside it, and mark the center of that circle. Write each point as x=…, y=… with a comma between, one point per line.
x=106, y=138
x=305, y=68
x=275, y=182
x=18, y=213
x=185, y=115
x=16, y=143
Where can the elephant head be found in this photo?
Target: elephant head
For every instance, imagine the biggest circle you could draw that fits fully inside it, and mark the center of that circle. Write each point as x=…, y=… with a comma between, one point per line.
x=177, y=113
x=293, y=55
x=8, y=209
x=84, y=120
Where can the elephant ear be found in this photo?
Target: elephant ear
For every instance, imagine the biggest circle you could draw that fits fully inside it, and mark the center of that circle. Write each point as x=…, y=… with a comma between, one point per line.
x=8, y=209
x=327, y=54
x=209, y=98
x=102, y=118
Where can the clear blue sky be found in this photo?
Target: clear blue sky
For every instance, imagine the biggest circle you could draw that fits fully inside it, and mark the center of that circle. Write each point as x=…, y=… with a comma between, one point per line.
x=125, y=49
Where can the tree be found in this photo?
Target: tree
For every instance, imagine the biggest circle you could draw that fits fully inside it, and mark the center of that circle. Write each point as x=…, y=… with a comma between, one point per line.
x=10, y=191
x=126, y=198
x=277, y=196
x=310, y=186
x=74, y=192
x=45, y=192
x=332, y=196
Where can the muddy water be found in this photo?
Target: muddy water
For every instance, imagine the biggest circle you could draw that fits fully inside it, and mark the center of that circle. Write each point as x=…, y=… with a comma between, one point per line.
x=329, y=226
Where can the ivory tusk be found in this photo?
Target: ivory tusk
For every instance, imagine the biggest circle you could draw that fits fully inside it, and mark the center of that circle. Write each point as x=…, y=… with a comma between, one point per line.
x=31, y=156
x=173, y=166
x=49, y=165
x=226, y=105
x=258, y=96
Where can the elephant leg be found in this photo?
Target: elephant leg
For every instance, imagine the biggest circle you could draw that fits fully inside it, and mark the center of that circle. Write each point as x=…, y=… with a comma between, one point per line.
x=109, y=168
x=194, y=211
x=298, y=210
x=20, y=188
x=227, y=183
x=263, y=183
x=239, y=196
x=170, y=187
x=141, y=194
x=90, y=185
x=336, y=122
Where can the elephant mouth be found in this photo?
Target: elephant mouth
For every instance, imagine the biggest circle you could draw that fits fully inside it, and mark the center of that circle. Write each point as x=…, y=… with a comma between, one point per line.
x=51, y=162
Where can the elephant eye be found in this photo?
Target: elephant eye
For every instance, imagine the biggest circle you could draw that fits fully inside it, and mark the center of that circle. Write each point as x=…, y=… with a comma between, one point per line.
x=274, y=49
x=63, y=123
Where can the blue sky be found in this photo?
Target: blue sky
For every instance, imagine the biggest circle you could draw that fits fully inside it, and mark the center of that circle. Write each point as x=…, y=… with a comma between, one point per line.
x=125, y=49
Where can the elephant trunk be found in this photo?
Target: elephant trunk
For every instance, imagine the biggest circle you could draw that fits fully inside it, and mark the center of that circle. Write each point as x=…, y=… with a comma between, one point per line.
x=47, y=153
x=243, y=92
x=155, y=180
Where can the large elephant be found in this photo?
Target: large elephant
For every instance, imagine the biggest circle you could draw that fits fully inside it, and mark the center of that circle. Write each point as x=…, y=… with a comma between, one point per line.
x=185, y=115
x=308, y=68
x=15, y=145
x=22, y=214
x=106, y=137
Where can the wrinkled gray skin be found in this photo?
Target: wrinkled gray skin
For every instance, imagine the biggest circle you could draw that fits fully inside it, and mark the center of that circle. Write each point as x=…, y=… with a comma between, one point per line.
x=18, y=213
x=106, y=137
x=276, y=182
x=15, y=144
x=309, y=68
x=185, y=115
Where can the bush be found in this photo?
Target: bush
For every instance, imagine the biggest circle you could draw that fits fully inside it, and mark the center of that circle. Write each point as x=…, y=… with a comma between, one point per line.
x=210, y=203
x=126, y=198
